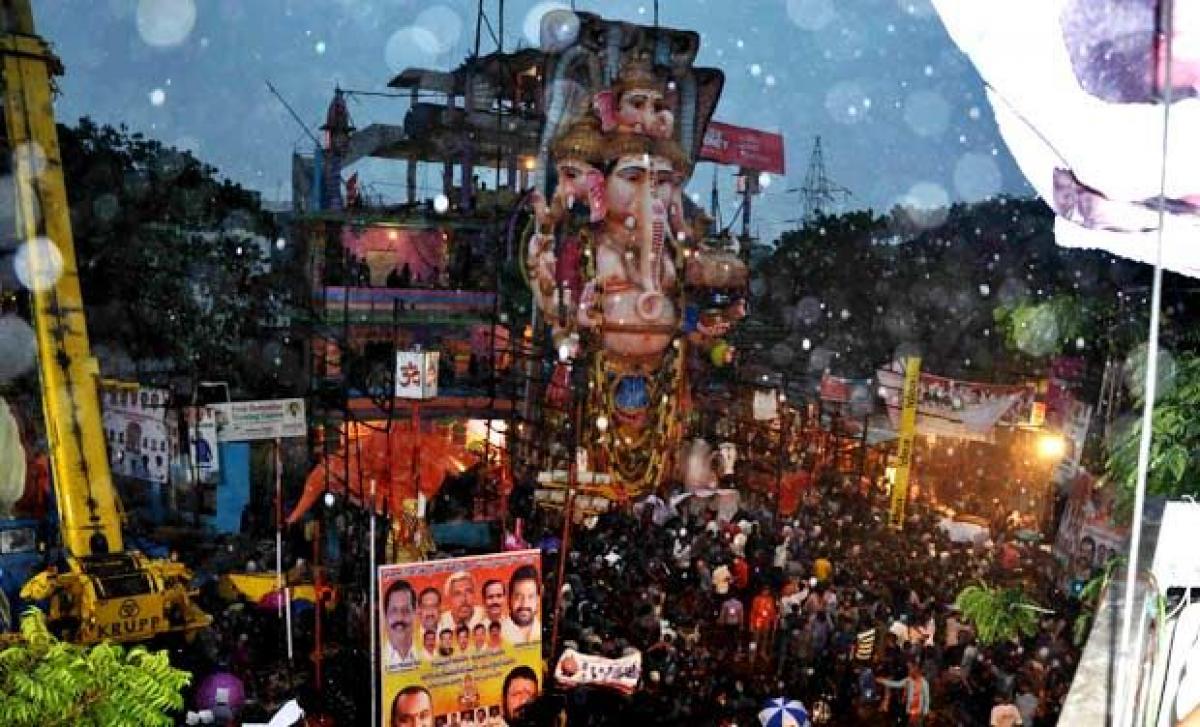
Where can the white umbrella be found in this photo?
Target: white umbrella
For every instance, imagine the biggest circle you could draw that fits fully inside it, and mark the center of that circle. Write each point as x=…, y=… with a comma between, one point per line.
x=783, y=712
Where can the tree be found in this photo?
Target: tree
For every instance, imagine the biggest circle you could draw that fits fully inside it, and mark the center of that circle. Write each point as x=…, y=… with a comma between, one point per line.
x=998, y=614
x=1174, y=465
x=45, y=682
x=172, y=259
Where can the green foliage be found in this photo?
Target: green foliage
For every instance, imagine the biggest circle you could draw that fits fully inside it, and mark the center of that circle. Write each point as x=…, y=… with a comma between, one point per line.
x=888, y=283
x=1174, y=468
x=1042, y=328
x=998, y=614
x=45, y=682
x=172, y=259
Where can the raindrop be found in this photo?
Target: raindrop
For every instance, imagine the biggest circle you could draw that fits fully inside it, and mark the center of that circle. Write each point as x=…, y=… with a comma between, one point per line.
x=1080, y=343
x=806, y=344
x=280, y=243
x=406, y=49
x=755, y=70
x=1135, y=372
x=820, y=358
x=782, y=354
x=1039, y=336
x=442, y=25
x=809, y=310
x=907, y=349
x=30, y=157
x=740, y=43
x=320, y=47
x=842, y=102
x=925, y=205
x=559, y=29
x=811, y=14
x=105, y=207
x=18, y=350
x=158, y=97
x=985, y=290
x=845, y=314
x=973, y=113
x=38, y=264
x=441, y=203
x=976, y=176
x=764, y=179
x=165, y=23
x=769, y=80
x=916, y=8
x=926, y=113
x=531, y=27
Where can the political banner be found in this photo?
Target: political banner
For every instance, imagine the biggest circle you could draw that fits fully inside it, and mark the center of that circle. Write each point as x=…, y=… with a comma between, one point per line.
x=243, y=421
x=904, y=451
x=575, y=669
x=460, y=639
x=964, y=409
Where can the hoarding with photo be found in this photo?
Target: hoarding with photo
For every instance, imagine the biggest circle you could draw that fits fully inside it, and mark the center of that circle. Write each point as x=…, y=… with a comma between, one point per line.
x=460, y=636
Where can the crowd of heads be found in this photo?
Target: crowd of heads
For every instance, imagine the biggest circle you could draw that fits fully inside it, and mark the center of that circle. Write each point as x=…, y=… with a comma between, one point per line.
x=849, y=601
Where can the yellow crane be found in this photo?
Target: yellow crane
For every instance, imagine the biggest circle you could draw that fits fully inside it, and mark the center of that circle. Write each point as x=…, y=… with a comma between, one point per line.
x=102, y=591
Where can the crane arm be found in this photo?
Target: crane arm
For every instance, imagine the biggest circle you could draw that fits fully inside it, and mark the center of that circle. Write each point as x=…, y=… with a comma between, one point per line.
x=69, y=374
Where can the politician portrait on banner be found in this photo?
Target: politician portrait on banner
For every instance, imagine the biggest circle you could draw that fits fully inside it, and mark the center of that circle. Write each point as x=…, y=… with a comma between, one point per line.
x=460, y=636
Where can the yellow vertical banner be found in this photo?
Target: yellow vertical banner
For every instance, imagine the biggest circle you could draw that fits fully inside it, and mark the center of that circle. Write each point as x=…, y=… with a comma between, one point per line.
x=908, y=430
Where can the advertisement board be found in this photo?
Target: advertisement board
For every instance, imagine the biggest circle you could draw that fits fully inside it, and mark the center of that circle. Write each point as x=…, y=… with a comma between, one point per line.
x=244, y=421
x=142, y=439
x=202, y=443
x=460, y=639
x=743, y=147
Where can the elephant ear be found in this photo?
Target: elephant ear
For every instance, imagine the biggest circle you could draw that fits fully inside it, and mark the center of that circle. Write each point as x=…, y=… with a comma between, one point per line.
x=605, y=104
x=596, y=195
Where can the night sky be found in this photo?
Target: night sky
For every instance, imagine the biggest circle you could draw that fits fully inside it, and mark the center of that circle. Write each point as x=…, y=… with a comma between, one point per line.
x=900, y=110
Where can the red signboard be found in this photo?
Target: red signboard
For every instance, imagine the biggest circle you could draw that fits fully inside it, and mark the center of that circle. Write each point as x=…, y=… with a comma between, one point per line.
x=737, y=145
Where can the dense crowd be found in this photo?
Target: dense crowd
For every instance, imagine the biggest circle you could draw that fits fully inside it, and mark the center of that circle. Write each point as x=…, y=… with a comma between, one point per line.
x=829, y=606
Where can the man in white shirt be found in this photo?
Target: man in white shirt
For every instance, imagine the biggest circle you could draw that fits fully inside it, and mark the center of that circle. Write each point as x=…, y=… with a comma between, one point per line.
x=463, y=611
x=399, y=614
x=522, y=625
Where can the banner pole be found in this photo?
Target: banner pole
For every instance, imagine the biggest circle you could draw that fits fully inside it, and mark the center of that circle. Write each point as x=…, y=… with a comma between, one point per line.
x=287, y=610
x=278, y=516
x=372, y=606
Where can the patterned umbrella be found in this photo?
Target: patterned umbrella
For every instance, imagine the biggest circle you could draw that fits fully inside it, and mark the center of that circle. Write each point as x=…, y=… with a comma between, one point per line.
x=784, y=712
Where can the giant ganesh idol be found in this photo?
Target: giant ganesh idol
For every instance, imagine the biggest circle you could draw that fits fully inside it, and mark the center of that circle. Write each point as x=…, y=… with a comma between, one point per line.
x=611, y=248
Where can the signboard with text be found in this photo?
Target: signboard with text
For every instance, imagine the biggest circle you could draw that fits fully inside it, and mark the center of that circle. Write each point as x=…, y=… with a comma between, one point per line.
x=739, y=146
x=575, y=669
x=416, y=374
x=904, y=447
x=243, y=421
x=460, y=639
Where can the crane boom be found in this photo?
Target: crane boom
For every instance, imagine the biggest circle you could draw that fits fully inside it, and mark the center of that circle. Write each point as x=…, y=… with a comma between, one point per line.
x=68, y=372
x=101, y=591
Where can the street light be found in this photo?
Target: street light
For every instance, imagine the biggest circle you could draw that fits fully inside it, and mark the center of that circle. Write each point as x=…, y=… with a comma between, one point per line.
x=1051, y=446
